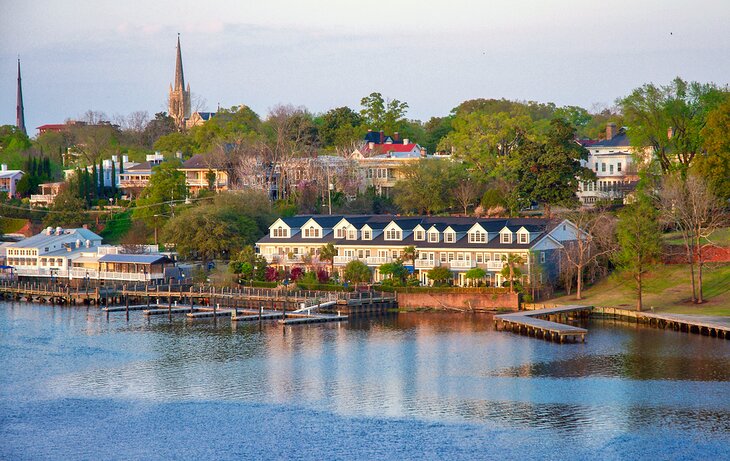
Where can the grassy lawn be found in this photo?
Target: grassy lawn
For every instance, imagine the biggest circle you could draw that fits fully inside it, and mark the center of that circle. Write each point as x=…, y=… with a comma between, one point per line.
x=117, y=227
x=667, y=289
x=720, y=237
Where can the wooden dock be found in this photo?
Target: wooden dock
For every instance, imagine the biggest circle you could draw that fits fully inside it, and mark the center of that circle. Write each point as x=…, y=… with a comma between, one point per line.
x=531, y=323
x=718, y=327
x=315, y=318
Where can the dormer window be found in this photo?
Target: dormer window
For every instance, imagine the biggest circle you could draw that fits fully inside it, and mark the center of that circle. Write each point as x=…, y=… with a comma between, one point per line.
x=477, y=237
x=419, y=235
x=311, y=231
x=505, y=237
x=280, y=232
x=449, y=237
x=352, y=234
x=523, y=237
x=367, y=234
x=392, y=234
x=433, y=237
x=340, y=234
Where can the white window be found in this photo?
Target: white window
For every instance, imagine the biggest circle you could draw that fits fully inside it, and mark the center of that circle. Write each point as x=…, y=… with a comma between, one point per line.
x=487, y=257
x=603, y=167
x=505, y=237
x=340, y=232
x=449, y=237
x=419, y=235
x=442, y=257
x=367, y=234
x=610, y=168
x=523, y=238
x=477, y=237
x=451, y=257
x=351, y=234
x=393, y=234
x=280, y=232
x=618, y=167
x=433, y=236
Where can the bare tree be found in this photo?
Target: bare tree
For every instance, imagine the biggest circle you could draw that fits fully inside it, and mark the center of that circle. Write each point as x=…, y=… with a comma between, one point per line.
x=694, y=210
x=594, y=239
x=467, y=192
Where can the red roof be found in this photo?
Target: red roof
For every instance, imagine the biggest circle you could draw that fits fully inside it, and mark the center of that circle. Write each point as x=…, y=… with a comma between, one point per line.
x=383, y=148
x=52, y=127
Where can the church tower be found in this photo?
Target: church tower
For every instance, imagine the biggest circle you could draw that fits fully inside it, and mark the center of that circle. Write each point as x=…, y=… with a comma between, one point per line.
x=179, y=98
x=19, y=110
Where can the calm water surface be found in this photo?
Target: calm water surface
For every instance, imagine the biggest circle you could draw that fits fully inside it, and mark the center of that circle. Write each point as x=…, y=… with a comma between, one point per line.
x=76, y=385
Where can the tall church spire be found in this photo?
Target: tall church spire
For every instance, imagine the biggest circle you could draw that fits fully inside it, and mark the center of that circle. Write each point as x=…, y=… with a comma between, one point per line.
x=19, y=110
x=179, y=98
x=179, y=77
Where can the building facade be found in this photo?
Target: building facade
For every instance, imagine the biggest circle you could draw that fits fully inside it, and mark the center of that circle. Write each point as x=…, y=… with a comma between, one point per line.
x=457, y=243
x=9, y=180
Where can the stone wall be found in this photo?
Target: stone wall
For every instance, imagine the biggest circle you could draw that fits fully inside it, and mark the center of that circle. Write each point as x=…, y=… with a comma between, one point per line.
x=461, y=301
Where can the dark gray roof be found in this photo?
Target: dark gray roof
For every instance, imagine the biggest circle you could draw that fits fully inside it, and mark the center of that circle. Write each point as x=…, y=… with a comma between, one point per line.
x=620, y=140
x=136, y=259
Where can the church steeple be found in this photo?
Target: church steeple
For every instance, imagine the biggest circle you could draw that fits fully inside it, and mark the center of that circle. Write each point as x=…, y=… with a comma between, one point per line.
x=19, y=110
x=179, y=77
x=179, y=95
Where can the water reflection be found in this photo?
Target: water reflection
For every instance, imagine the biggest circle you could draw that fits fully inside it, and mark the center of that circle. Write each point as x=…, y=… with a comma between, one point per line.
x=436, y=367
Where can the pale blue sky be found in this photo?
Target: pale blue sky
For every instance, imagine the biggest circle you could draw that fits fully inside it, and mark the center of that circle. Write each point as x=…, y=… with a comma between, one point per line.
x=118, y=56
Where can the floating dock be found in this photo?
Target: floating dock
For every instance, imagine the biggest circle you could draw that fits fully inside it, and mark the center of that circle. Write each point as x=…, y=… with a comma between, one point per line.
x=717, y=327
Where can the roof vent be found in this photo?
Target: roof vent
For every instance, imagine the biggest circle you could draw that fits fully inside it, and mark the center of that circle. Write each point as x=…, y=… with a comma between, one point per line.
x=49, y=230
x=59, y=230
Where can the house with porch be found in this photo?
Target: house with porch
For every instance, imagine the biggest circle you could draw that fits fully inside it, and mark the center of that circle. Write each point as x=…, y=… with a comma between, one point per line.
x=9, y=180
x=458, y=243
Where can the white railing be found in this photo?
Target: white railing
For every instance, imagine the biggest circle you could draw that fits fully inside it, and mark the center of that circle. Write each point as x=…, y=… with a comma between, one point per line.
x=42, y=198
x=465, y=264
x=426, y=263
x=495, y=265
x=38, y=271
x=80, y=273
x=271, y=258
x=378, y=260
x=343, y=259
x=293, y=259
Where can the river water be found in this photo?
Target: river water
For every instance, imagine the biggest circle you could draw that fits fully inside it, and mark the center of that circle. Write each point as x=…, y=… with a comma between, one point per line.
x=75, y=384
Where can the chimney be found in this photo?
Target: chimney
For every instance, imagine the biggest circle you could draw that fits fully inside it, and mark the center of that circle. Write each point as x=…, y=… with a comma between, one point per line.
x=371, y=145
x=423, y=151
x=406, y=141
x=85, y=226
x=610, y=131
x=4, y=167
x=49, y=230
x=125, y=158
x=382, y=137
x=115, y=159
x=670, y=132
x=396, y=137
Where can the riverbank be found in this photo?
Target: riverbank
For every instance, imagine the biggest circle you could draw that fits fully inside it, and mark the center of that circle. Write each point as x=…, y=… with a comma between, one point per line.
x=667, y=288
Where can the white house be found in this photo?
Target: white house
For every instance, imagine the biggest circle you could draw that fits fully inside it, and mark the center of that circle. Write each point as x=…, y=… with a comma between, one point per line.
x=9, y=180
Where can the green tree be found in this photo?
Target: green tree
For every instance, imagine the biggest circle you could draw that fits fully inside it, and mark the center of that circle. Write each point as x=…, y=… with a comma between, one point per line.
x=410, y=254
x=356, y=272
x=249, y=265
x=67, y=210
x=338, y=127
x=511, y=269
x=475, y=275
x=387, y=115
x=668, y=119
x=440, y=275
x=426, y=186
x=714, y=162
x=549, y=172
x=639, y=238
x=175, y=142
x=156, y=201
x=395, y=271
x=328, y=253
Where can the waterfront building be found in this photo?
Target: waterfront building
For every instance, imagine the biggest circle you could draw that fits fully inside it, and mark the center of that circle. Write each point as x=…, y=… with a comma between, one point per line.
x=202, y=172
x=458, y=243
x=9, y=180
x=613, y=160
x=137, y=177
x=48, y=194
x=68, y=254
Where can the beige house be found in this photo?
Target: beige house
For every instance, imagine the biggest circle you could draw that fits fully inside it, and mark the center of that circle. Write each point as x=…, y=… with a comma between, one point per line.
x=203, y=172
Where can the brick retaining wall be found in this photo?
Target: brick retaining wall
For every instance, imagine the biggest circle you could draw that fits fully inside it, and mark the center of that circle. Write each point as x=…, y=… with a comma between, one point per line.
x=463, y=301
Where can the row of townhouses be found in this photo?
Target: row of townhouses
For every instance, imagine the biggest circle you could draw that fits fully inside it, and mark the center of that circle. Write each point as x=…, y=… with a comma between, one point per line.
x=78, y=253
x=458, y=243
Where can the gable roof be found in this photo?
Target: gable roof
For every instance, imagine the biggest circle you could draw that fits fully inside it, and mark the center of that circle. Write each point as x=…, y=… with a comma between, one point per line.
x=620, y=140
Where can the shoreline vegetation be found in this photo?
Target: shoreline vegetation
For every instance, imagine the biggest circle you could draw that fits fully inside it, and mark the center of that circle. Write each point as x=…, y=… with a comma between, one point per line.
x=666, y=289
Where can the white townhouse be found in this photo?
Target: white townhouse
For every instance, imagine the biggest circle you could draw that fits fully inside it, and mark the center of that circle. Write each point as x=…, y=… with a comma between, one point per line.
x=458, y=243
x=58, y=253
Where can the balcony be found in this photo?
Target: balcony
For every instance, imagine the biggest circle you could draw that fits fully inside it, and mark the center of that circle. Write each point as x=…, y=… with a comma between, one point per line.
x=425, y=263
x=343, y=259
x=495, y=265
x=465, y=264
x=378, y=260
x=272, y=258
x=44, y=199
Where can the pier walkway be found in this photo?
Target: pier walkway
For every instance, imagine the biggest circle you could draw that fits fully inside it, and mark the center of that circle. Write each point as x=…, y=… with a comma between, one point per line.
x=718, y=327
x=531, y=323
